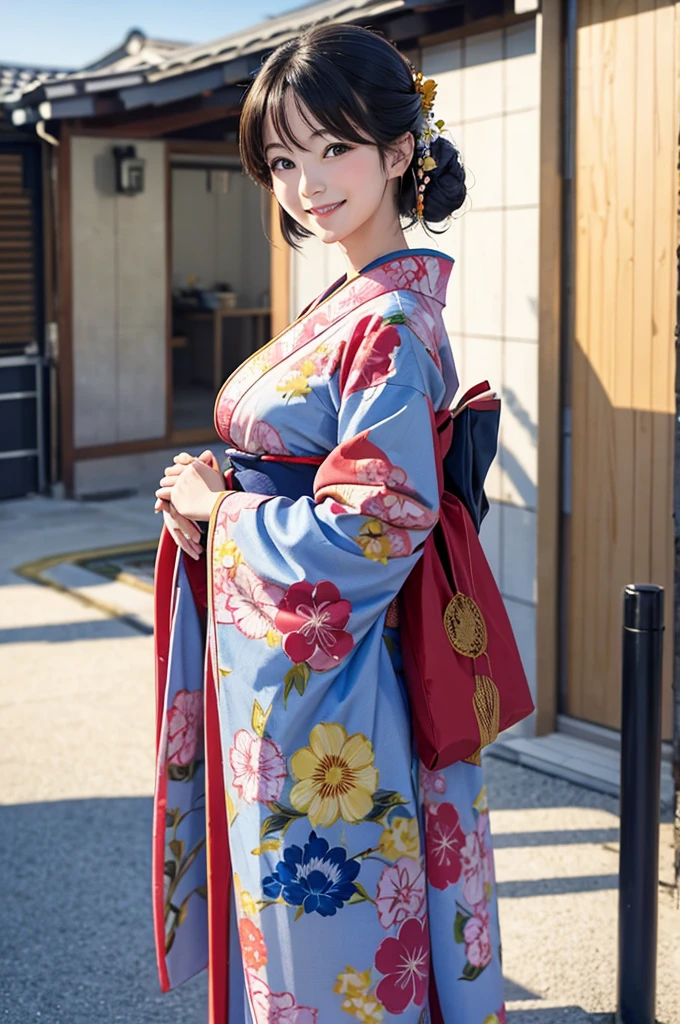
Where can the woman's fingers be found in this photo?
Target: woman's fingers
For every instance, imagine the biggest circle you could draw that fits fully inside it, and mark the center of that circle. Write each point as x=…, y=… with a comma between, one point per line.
x=185, y=534
x=183, y=458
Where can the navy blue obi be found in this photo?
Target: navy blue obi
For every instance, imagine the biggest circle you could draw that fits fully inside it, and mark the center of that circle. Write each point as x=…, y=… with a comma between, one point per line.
x=273, y=475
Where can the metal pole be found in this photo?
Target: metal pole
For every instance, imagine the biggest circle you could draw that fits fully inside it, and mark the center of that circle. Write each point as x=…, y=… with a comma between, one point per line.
x=643, y=629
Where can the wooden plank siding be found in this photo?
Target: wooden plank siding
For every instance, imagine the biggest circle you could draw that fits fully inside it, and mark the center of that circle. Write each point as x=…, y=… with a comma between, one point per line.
x=623, y=352
x=17, y=257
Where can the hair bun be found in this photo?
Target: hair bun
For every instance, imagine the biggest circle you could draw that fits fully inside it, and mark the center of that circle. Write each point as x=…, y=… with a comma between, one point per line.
x=445, y=192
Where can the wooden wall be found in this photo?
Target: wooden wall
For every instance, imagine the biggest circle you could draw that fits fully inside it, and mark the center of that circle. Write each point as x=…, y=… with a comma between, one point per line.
x=623, y=354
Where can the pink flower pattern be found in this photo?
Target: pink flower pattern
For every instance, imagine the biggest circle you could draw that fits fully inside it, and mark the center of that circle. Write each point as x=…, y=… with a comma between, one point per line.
x=399, y=510
x=257, y=437
x=401, y=891
x=477, y=862
x=379, y=471
x=405, y=962
x=417, y=273
x=477, y=935
x=244, y=600
x=276, y=1007
x=259, y=768
x=236, y=502
x=312, y=620
x=431, y=782
x=185, y=727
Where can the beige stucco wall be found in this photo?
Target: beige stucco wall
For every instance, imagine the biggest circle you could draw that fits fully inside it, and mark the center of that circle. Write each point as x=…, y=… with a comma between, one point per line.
x=119, y=296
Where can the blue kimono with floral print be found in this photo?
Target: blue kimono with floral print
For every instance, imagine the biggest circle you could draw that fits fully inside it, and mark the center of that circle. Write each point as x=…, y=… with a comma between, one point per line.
x=363, y=884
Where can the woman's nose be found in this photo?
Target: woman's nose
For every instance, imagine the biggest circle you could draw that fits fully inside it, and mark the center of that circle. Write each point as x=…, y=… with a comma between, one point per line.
x=310, y=184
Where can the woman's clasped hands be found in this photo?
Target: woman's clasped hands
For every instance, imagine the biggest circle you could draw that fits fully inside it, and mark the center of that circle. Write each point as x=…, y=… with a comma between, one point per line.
x=187, y=494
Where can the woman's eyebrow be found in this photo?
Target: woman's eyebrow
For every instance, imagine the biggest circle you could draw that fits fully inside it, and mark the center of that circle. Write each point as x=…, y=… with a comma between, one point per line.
x=277, y=145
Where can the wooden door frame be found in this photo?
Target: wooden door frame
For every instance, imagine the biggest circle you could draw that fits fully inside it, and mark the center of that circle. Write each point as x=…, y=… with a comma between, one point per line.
x=549, y=375
x=280, y=268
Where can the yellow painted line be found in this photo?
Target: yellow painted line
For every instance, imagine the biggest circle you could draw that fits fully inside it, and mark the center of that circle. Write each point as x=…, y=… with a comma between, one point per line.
x=35, y=572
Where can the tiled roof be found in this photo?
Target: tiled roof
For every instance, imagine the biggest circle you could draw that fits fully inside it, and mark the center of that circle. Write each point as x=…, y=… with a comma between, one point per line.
x=152, y=63
x=15, y=79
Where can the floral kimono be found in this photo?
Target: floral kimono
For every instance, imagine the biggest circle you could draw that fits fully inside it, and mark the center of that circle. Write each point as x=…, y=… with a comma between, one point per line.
x=301, y=852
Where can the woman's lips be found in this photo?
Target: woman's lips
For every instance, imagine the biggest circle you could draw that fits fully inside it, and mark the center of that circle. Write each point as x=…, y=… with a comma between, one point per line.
x=327, y=210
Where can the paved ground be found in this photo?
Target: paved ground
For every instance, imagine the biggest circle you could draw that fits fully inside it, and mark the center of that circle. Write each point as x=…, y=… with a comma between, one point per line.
x=76, y=763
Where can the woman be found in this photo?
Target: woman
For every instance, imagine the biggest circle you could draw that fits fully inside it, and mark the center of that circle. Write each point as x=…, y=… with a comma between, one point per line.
x=357, y=882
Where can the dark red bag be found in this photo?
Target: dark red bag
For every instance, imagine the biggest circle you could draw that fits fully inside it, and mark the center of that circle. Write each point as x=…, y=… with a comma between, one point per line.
x=462, y=667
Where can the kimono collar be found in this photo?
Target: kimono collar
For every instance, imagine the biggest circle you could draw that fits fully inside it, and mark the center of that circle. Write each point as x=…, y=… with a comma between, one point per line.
x=425, y=271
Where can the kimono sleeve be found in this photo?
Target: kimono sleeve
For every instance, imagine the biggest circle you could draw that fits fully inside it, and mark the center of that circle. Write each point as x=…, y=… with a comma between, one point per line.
x=323, y=570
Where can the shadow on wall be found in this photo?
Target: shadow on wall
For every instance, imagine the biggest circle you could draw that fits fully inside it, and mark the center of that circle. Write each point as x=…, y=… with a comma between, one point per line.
x=523, y=484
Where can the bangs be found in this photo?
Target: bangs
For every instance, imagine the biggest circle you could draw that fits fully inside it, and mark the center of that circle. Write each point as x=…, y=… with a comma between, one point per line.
x=322, y=97
x=321, y=105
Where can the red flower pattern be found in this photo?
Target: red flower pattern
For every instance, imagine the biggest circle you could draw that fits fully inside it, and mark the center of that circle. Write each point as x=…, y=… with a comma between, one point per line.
x=185, y=726
x=444, y=840
x=374, y=362
x=311, y=619
x=405, y=962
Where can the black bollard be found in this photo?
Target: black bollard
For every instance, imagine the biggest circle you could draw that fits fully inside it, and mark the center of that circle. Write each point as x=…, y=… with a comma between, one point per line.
x=643, y=629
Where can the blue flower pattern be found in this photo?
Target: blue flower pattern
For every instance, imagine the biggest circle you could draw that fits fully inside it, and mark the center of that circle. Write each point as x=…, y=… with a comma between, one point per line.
x=317, y=878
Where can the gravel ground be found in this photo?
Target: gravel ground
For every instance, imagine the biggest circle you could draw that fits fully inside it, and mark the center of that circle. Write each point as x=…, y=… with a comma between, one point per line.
x=76, y=760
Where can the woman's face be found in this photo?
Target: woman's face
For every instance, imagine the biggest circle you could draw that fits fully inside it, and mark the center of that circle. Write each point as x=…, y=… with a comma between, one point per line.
x=330, y=187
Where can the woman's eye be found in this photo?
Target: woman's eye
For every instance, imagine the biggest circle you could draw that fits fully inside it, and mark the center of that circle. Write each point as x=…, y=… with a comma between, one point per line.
x=280, y=159
x=338, y=145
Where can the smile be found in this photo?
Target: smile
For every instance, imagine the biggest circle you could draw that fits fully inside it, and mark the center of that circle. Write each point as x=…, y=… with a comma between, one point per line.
x=323, y=211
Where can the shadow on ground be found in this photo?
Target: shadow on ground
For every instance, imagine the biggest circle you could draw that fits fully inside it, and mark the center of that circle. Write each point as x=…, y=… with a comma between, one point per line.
x=76, y=944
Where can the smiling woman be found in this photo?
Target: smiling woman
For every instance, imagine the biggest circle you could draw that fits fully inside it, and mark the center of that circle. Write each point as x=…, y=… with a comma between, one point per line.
x=358, y=883
x=332, y=119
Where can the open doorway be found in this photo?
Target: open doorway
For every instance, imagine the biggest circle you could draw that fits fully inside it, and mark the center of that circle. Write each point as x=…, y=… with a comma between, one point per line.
x=220, y=276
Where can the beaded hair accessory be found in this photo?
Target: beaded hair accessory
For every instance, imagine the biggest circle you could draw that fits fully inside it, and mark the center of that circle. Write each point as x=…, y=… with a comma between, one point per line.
x=432, y=130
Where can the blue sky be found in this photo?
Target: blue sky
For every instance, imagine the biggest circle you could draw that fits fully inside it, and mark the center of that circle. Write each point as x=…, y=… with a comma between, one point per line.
x=74, y=32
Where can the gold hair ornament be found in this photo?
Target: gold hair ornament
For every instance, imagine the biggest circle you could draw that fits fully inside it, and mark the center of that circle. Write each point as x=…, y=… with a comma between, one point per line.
x=432, y=130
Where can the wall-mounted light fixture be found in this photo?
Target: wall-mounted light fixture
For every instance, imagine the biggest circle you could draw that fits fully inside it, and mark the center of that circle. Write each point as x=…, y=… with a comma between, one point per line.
x=129, y=171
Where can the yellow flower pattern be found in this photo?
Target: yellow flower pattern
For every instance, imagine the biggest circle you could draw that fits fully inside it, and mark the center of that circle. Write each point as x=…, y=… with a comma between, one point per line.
x=401, y=839
x=374, y=543
x=226, y=554
x=352, y=982
x=358, y=1002
x=294, y=385
x=365, y=1008
x=336, y=776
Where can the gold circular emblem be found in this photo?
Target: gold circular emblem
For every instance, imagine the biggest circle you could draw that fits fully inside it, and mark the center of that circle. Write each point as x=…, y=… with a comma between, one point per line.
x=465, y=626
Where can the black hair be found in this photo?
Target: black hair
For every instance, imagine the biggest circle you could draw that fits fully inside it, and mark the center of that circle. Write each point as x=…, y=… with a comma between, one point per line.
x=352, y=81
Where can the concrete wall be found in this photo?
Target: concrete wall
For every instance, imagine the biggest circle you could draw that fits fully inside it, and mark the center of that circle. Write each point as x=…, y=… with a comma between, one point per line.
x=219, y=237
x=119, y=296
x=489, y=96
